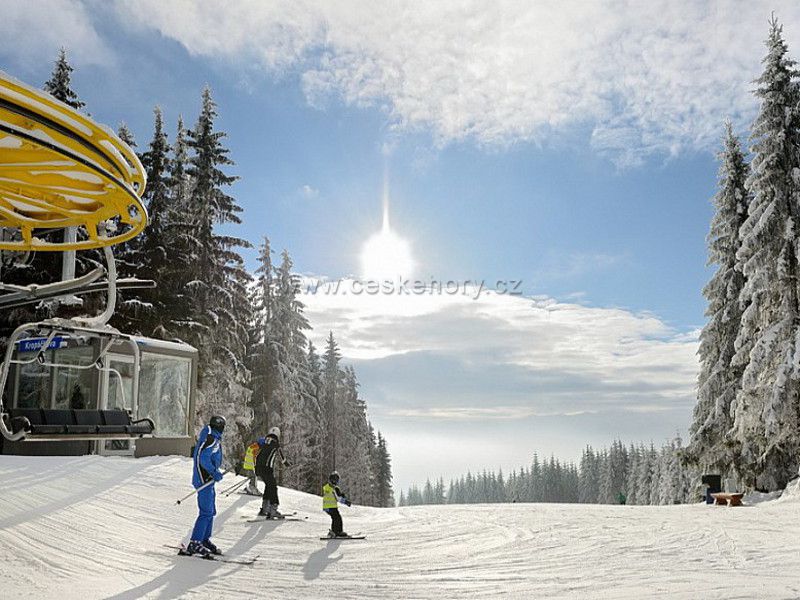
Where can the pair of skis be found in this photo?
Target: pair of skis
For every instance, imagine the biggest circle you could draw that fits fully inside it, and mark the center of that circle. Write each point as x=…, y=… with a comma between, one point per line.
x=234, y=560
x=292, y=516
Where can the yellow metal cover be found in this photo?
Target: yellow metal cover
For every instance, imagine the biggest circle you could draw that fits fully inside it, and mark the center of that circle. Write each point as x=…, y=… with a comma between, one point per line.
x=60, y=169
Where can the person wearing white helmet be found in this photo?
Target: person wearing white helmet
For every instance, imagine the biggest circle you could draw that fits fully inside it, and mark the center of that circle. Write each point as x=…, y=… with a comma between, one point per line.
x=265, y=469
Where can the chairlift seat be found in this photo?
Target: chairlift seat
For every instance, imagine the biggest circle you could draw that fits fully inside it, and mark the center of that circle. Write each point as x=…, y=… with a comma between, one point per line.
x=90, y=420
x=115, y=421
x=49, y=424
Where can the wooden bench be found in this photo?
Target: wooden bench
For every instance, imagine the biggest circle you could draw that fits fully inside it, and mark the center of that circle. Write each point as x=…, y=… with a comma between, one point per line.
x=728, y=499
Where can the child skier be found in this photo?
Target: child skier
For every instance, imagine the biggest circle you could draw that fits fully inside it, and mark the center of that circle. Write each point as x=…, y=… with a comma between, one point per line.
x=265, y=469
x=249, y=466
x=207, y=461
x=331, y=494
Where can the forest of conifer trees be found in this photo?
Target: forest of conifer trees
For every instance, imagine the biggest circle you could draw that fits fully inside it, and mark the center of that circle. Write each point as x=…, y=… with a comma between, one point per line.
x=257, y=366
x=615, y=475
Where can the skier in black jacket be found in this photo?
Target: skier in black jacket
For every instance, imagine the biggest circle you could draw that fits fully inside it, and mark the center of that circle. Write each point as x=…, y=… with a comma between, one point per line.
x=265, y=469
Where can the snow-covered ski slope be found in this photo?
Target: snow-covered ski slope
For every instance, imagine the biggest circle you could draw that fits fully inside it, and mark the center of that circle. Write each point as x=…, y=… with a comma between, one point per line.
x=93, y=527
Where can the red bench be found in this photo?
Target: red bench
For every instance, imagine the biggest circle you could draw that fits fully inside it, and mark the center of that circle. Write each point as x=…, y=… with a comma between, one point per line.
x=728, y=499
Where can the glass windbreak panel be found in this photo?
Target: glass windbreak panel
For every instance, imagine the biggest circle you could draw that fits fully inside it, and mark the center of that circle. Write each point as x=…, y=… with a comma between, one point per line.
x=119, y=395
x=73, y=387
x=164, y=393
x=120, y=384
x=33, y=385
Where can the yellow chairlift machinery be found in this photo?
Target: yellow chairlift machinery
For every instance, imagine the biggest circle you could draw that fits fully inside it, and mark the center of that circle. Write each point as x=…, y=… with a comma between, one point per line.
x=62, y=173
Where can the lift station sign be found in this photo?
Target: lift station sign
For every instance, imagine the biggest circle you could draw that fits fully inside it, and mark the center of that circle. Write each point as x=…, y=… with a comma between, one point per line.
x=36, y=344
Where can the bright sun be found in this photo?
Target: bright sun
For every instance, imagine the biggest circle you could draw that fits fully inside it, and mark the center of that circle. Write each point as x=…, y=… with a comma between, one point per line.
x=386, y=256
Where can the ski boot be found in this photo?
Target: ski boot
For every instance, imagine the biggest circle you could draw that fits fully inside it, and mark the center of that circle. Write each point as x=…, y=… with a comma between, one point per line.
x=331, y=534
x=266, y=510
x=211, y=547
x=342, y=534
x=195, y=548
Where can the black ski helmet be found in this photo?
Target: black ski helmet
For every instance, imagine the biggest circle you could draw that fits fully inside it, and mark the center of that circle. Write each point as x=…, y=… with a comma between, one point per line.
x=217, y=423
x=334, y=478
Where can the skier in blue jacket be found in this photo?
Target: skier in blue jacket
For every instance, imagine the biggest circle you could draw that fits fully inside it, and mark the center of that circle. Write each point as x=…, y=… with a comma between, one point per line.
x=207, y=461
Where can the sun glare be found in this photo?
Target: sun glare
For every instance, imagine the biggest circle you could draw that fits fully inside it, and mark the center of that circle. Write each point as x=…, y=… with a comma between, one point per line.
x=386, y=256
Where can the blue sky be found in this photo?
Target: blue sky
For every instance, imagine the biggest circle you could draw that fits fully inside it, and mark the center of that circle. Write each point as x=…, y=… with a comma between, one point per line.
x=571, y=149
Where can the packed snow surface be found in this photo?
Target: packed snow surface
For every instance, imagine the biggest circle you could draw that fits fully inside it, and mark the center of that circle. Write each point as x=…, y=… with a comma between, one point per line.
x=94, y=527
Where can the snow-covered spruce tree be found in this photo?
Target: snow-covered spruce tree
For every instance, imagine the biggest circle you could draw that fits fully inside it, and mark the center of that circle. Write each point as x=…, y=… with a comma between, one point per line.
x=631, y=489
x=316, y=474
x=261, y=357
x=126, y=135
x=332, y=393
x=150, y=256
x=590, y=477
x=352, y=439
x=719, y=380
x=177, y=227
x=297, y=406
x=60, y=83
x=644, y=475
x=218, y=300
x=535, y=482
x=766, y=410
x=612, y=474
x=385, y=494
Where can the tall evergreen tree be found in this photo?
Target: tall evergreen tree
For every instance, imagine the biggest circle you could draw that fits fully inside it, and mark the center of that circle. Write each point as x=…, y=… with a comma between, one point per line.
x=385, y=494
x=262, y=359
x=218, y=301
x=719, y=380
x=767, y=408
x=220, y=280
x=148, y=256
x=331, y=399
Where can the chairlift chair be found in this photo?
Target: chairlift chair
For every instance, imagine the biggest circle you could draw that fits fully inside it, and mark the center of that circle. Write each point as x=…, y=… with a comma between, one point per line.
x=62, y=172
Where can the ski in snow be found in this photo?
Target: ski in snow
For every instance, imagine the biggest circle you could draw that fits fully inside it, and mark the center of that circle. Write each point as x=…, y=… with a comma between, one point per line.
x=286, y=517
x=236, y=560
x=344, y=537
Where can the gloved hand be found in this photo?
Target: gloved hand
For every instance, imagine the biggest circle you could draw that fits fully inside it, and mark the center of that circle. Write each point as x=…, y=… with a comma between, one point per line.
x=347, y=502
x=217, y=476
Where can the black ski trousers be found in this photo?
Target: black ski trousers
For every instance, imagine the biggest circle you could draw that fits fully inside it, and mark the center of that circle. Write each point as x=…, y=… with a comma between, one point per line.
x=336, y=520
x=270, y=488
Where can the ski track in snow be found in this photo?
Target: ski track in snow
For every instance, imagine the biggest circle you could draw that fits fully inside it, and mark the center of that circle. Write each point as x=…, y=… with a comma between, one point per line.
x=93, y=527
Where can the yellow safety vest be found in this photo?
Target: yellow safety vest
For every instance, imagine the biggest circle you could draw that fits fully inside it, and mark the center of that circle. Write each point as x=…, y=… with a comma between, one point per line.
x=250, y=457
x=329, y=497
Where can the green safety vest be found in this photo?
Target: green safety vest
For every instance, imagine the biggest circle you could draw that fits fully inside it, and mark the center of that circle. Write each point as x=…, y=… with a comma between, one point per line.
x=329, y=497
x=250, y=457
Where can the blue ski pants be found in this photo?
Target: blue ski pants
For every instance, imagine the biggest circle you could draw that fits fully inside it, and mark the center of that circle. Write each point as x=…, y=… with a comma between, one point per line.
x=207, y=505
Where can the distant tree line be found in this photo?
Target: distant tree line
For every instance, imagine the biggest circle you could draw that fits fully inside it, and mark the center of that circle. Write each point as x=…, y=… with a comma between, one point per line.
x=618, y=474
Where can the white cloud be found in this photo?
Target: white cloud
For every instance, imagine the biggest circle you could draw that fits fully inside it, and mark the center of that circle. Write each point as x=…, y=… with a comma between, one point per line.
x=32, y=33
x=502, y=356
x=309, y=192
x=640, y=77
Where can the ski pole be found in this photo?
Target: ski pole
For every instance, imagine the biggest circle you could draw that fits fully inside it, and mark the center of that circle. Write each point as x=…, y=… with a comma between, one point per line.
x=205, y=485
x=235, y=487
x=232, y=487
